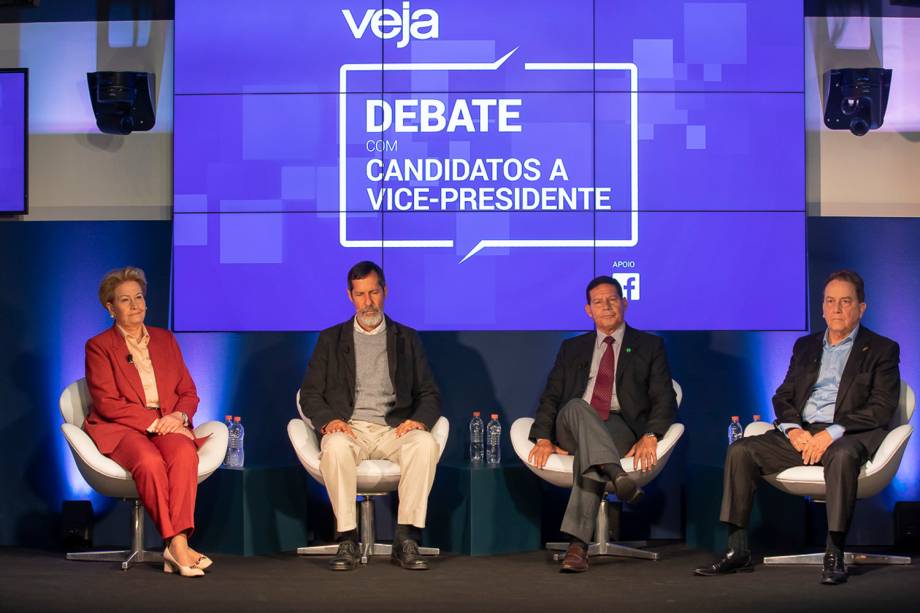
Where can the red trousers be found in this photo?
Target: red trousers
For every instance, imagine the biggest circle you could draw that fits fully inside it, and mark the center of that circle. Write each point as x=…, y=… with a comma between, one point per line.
x=165, y=470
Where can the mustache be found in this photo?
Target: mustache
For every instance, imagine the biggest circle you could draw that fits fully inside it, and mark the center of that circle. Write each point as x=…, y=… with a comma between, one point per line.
x=370, y=315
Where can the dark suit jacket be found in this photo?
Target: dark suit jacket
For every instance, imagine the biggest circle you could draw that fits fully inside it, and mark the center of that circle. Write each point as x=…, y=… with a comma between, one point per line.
x=119, y=403
x=643, y=383
x=328, y=390
x=869, y=386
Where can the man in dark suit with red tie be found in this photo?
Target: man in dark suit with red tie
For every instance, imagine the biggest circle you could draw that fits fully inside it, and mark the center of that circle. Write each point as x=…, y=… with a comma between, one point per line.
x=609, y=391
x=832, y=409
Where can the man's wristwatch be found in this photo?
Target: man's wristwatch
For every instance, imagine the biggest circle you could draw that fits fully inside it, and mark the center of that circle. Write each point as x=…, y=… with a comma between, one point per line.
x=651, y=434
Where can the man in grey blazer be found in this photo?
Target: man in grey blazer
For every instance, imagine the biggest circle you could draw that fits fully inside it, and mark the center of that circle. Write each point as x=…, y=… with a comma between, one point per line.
x=609, y=395
x=370, y=394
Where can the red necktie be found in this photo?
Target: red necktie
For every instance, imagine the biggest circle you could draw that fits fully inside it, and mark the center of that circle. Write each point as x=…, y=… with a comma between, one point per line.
x=603, y=383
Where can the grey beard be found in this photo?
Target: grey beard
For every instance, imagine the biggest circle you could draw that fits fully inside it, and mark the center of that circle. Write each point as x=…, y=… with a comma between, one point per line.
x=370, y=321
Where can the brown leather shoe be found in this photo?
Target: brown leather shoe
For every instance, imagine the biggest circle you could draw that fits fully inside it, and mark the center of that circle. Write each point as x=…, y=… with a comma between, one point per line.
x=576, y=559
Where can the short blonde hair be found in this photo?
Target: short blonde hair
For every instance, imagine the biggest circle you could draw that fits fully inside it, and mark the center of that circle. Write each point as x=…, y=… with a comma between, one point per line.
x=114, y=278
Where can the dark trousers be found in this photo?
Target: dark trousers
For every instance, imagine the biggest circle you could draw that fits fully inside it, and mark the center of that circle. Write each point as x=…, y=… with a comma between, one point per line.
x=771, y=453
x=594, y=443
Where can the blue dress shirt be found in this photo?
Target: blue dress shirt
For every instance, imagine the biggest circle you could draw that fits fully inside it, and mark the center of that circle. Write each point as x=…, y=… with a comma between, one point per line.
x=819, y=408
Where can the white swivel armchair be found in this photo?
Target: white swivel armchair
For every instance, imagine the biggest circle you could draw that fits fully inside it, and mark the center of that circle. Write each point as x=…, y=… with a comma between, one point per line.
x=375, y=478
x=558, y=471
x=874, y=476
x=108, y=478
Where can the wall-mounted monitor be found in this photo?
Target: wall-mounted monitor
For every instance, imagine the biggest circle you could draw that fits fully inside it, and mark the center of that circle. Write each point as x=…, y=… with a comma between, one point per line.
x=14, y=137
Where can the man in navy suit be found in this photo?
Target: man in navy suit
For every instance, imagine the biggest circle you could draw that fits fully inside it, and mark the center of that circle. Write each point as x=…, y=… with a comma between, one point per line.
x=832, y=409
x=609, y=391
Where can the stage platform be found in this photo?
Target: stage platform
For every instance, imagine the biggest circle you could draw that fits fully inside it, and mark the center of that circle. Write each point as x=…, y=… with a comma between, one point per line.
x=32, y=580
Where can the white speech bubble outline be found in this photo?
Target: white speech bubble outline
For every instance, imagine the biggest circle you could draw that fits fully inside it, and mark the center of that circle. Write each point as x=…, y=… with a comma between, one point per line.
x=632, y=241
x=343, y=78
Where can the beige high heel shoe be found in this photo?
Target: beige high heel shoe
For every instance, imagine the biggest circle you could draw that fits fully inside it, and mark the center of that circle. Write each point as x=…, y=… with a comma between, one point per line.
x=170, y=565
x=204, y=562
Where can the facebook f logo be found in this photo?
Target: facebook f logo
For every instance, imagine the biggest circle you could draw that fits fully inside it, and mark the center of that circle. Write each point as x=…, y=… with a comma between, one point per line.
x=630, y=283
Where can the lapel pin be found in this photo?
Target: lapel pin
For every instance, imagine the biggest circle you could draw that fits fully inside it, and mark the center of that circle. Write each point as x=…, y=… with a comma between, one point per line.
x=629, y=350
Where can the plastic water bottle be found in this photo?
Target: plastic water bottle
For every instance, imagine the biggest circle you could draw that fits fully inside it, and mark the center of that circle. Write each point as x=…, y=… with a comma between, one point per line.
x=494, y=441
x=235, y=452
x=476, y=433
x=228, y=421
x=735, y=432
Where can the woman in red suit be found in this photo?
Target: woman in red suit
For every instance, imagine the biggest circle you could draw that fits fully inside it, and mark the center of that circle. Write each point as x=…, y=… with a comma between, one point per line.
x=143, y=404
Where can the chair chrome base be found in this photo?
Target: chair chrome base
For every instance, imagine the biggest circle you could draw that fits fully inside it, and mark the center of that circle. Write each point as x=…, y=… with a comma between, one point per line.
x=127, y=557
x=603, y=548
x=606, y=549
x=368, y=546
x=849, y=558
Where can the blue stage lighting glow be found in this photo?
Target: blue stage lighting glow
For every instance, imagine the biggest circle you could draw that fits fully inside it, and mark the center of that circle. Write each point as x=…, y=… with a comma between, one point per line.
x=210, y=358
x=76, y=319
x=889, y=315
x=769, y=353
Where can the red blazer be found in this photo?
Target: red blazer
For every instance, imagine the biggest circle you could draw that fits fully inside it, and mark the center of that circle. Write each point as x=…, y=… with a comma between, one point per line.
x=119, y=402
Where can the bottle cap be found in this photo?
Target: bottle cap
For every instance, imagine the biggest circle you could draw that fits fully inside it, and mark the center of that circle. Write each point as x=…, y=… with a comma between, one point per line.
x=236, y=419
x=475, y=413
x=735, y=418
x=494, y=416
x=757, y=418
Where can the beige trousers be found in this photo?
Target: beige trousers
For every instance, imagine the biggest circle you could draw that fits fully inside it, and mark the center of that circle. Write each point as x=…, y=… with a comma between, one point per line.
x=416, y=452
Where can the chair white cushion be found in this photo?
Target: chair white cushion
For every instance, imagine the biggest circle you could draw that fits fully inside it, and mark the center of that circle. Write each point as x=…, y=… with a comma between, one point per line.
x=874, y=476
x=374, y=476
x=212, y=453
x=558, y=468
x=104, y=474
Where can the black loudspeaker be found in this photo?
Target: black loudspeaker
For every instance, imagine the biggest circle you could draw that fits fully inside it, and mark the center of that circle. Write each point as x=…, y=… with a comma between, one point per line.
x=77, y=524
x=907, y=526
x=855, y=99
x=122, y=101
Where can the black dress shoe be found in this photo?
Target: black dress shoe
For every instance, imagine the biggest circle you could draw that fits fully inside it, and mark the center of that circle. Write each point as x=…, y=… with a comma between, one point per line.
x=347, y=557
x=626, y=489
x=732, y=562
x=405, y=553
x=835, y=571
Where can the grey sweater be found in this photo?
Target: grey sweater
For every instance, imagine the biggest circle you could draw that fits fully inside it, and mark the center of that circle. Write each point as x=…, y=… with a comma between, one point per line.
x=374, y=393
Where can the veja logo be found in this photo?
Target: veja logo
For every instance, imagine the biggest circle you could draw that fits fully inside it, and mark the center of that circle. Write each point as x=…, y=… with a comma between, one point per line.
x=387, y=23
x=630, y=283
